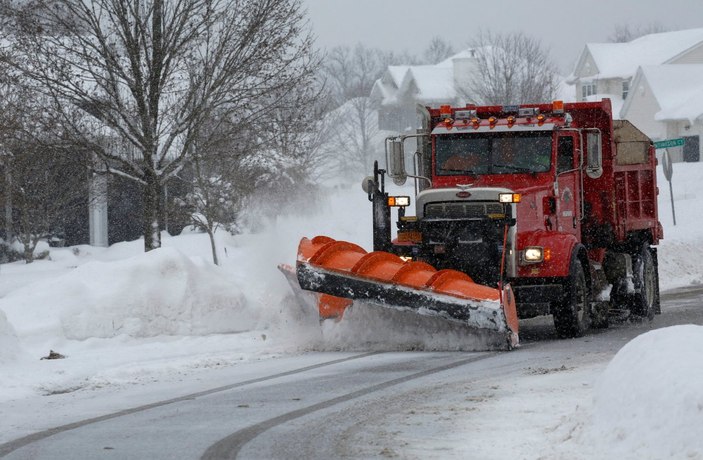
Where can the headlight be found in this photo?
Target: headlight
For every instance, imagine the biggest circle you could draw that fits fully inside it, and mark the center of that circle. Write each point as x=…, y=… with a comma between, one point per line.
x=509, y=197
x=533, y=255
x=399, y=201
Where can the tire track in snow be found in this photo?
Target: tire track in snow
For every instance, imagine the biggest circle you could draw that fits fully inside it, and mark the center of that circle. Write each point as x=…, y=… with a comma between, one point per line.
x=229, y=447
x=13, y=445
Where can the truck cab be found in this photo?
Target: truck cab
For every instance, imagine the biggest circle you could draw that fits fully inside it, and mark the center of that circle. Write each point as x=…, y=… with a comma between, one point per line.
x=555, y=199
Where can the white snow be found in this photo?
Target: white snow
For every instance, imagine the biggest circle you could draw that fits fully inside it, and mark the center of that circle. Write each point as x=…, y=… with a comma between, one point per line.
x=430, y=84
x=678, y=89
x=122, y=317
x=621, y=60
x=648, y=402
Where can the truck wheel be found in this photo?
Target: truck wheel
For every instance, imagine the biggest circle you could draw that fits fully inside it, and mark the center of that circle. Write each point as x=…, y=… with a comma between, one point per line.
x=571, y=315
x=644, y=277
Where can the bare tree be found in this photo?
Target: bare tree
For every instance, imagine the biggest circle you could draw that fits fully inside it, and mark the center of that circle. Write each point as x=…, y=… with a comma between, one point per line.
x=213, y=200
x=45, y=181
x=10, y=124
x=351, y=127
x=351, y=72
x=353, y=139
x=624, y=33
x=291, y=142
x=511, y=69
x=225, y=177
x=41, y=196
x=151, y=73
x=437, y=51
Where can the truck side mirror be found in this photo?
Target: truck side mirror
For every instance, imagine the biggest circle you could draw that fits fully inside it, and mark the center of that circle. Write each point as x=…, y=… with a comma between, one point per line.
x=396, y=161
x=594, y=159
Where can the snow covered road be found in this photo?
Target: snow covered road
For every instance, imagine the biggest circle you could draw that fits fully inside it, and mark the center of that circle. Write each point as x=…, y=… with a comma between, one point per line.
x=358, y=405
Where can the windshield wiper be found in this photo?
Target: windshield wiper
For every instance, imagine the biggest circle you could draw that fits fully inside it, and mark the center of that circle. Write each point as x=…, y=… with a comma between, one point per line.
x=514, y=168
x=468, y=172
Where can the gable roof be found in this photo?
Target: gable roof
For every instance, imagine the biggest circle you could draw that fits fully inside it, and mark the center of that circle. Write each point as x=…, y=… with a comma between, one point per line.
x=385, y=89
x=427, y=83
x=397, y=73
x=678, y=90
x=431, y=83
x=621, y=60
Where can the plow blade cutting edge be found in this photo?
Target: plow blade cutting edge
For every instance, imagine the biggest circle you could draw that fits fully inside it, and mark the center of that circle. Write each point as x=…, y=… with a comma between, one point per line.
x=339, y=270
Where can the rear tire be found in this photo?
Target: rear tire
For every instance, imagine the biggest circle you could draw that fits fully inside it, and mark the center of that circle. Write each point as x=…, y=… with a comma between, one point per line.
x=643, y=303
x=571, y=314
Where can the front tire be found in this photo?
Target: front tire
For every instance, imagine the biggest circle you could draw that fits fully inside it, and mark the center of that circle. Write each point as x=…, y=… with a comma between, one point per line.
x=571, y=314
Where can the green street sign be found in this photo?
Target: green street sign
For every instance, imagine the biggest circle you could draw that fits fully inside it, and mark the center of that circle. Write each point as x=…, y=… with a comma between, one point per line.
x=669, y=143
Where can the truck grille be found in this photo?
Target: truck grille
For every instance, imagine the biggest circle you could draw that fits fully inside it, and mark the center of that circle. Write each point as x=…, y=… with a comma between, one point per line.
x=462, y=210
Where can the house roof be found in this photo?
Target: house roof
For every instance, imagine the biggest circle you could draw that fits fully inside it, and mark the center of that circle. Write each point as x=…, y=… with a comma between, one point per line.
x=616, y=103
x=621, y=60
x=397, y=73
x=678, y=90
x=427, y=83
x=449, y=62
x=432, y=83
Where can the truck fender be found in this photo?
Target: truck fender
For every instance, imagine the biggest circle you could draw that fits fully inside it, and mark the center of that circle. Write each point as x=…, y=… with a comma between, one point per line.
x=558, y=251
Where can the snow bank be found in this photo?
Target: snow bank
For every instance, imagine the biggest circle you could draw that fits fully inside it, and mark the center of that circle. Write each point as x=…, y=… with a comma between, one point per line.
x=648, y=403
x=681, y=250
x=162, y=292
x=9, y=345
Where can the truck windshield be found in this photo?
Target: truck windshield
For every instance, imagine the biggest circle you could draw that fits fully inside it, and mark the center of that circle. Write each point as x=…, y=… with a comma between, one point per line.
x=499, y=153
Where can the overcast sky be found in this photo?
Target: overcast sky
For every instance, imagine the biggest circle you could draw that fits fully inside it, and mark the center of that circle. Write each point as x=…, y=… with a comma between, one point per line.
x=562, y=26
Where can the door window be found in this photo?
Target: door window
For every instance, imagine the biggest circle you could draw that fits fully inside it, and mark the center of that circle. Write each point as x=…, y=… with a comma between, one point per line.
x=565, y=154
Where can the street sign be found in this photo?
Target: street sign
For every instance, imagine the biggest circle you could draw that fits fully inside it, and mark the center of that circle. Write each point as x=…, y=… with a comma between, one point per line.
x=667, y=166
x=668, y=172
x=669, y=143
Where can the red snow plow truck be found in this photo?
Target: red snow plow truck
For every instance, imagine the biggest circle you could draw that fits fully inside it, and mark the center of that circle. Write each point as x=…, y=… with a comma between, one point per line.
x=519, y=211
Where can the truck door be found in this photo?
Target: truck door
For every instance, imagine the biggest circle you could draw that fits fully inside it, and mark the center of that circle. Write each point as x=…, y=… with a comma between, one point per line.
x=568, y=184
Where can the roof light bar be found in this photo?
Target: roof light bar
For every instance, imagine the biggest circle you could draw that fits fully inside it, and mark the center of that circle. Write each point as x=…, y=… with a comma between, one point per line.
x=445, y=111
x=558, y=106
x=464, y=114
x=527, y=112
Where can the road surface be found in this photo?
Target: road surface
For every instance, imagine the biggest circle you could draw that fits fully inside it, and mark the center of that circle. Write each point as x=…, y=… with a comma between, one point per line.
x=332, y=405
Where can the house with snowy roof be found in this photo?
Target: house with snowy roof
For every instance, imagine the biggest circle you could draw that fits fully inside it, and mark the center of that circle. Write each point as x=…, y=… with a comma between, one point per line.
x=626, y=73
x=397, y=93
x=608, y=68
x=666, y=102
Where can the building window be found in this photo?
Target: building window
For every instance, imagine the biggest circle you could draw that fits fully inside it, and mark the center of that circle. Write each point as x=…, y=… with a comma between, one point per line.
x=588, y=89
x=625, y=88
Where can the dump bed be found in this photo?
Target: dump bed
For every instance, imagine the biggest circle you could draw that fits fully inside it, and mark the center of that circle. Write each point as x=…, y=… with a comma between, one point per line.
x=623, y=198
x=635, y=181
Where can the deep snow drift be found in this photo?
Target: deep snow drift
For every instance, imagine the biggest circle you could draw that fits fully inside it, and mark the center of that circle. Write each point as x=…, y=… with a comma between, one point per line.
x=648, y=403
x=123, y=317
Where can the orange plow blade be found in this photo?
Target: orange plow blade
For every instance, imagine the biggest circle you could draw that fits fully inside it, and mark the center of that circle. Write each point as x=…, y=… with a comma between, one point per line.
x=339, y=271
